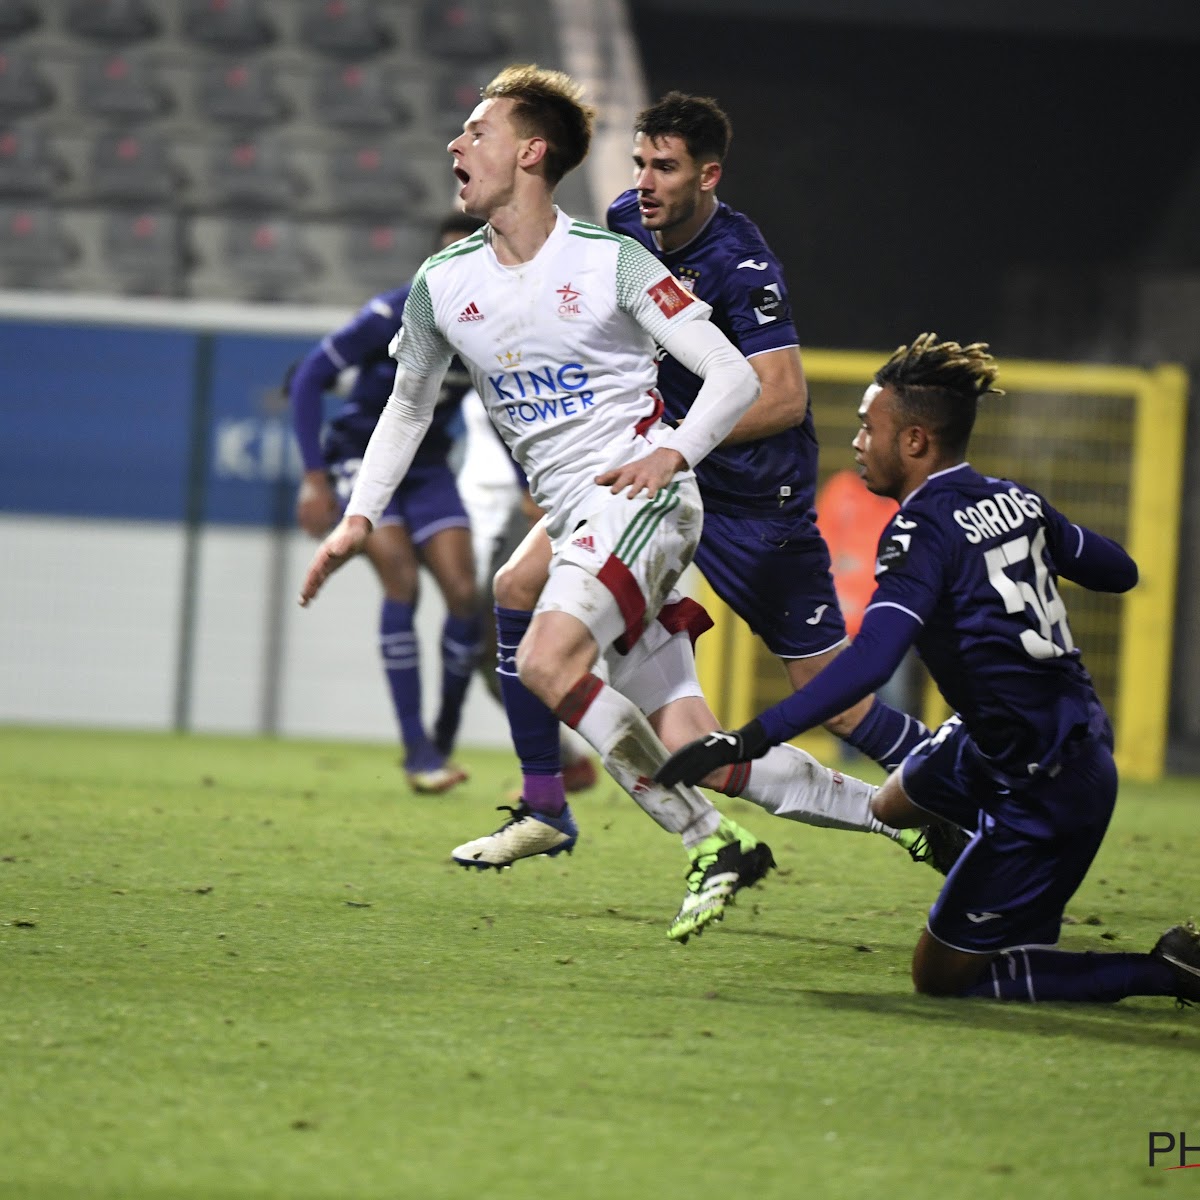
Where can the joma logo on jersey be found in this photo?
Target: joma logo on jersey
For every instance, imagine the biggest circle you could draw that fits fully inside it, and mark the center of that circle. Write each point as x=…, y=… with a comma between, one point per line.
x=543, y=395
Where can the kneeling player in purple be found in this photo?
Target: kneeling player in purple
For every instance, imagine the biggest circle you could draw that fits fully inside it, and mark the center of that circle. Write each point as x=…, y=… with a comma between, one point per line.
x=966, y=572
x=424, y=519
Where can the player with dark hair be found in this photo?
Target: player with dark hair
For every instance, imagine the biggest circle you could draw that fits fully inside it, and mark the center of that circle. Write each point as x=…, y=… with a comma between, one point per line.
x=424, y=519
x=967, y=572
x=760, y=548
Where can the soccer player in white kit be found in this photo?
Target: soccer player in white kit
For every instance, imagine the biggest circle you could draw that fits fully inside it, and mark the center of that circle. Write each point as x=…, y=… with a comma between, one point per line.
x=556, y=321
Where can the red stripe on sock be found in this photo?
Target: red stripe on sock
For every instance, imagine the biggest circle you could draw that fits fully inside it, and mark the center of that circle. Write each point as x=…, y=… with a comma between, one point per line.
x=619, y=580
x=578, y=700
x=736, y=778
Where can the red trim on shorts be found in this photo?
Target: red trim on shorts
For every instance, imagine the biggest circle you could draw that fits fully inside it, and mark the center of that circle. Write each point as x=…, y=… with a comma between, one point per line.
x=685, y=616
x=644, y=426
x=619, y=580
x=578, y=700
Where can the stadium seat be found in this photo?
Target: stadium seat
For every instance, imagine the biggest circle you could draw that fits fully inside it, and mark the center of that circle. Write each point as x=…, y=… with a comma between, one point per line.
x=268, y=259
x=241, y=93
x=23, y=87
x=133, y=165
x=344, y=28
x=384, y=255
x=145, y=251
x=357, y=96
x=228, y=24
x=255, y=171
x=17, y=17
x=461, y=29
x=28, y=167
x=34, y=246
x=455, y=94
x=374, y=177
x=122, y=86
x=119, y=21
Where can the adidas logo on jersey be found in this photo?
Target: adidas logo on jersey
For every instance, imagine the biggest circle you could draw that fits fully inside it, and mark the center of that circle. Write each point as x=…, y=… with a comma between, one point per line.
x=587, y=542
x=471, y=313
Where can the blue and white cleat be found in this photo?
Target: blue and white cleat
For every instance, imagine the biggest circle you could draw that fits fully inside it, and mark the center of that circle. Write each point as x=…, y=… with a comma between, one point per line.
x=525, y=834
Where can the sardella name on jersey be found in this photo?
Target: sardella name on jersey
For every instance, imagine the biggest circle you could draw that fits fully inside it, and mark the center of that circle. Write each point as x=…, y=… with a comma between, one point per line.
x=999, y=515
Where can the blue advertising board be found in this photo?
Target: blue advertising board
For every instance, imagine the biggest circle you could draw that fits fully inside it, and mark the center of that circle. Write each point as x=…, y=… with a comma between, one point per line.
x=97, y=421
x=94, y=421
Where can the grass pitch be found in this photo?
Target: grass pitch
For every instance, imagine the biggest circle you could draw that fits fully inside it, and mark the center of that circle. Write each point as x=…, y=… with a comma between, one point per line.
x=236, y=969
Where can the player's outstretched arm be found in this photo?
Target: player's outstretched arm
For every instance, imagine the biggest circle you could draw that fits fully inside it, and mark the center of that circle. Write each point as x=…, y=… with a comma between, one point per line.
x=1096, y=562
x=693, y=762
x=340, y=546
x=861, y=669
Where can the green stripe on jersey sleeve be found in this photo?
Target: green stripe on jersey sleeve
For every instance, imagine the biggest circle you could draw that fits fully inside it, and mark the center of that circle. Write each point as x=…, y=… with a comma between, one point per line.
x=419, y=346
x=637, y=271
x=586, y=230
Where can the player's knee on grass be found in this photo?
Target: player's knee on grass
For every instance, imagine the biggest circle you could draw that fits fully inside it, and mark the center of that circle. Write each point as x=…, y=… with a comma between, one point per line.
x=939, y=970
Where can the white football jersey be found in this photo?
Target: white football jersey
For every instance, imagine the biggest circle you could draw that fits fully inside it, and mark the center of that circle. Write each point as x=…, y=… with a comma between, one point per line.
x=560, y=349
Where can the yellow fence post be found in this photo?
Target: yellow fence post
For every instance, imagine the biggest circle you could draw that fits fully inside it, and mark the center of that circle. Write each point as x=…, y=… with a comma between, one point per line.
x=1147, y=433
x=1147, y=622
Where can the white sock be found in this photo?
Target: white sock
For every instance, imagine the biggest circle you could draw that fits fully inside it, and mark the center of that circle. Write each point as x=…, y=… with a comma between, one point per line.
x=631, y=753
x=790, y=783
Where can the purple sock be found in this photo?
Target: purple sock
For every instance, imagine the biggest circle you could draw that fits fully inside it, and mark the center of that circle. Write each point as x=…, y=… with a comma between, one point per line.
x=533, y=726
x=398, y=645
x=886, y=734
x=462, y=641
x=1037, y=974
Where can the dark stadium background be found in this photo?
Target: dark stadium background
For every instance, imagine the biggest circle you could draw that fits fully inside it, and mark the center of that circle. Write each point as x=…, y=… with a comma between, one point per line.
x=1025, y=173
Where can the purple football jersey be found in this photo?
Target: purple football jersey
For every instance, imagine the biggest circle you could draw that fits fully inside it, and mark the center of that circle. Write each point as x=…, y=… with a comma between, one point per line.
x=975, y=560
x=363, y=343
x=730, y=267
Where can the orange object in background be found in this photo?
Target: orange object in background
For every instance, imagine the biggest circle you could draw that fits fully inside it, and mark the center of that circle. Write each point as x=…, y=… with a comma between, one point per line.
x=851, y=518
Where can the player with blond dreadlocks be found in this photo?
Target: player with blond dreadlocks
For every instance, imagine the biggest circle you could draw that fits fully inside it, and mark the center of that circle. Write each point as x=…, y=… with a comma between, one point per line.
x=967, y=572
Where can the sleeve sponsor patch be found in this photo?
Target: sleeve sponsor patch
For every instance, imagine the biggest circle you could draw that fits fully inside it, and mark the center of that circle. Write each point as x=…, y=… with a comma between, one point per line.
x=893, y=551
x=767, y=302
x=669, y=296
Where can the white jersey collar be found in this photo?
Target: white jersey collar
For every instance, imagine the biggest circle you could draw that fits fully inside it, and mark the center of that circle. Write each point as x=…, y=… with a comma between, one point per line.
x=561, y=224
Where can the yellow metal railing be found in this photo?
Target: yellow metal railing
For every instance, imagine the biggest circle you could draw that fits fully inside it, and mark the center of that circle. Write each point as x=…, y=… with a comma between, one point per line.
x=1105, y=445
